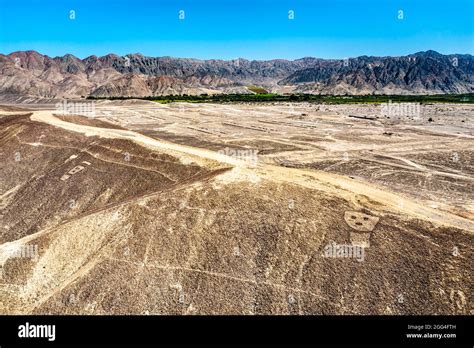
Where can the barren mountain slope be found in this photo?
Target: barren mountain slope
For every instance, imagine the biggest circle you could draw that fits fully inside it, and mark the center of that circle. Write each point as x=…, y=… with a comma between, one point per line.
x=29, y=73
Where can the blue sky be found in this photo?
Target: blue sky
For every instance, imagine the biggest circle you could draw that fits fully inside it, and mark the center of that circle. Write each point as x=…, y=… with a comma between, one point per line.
x=252, y=29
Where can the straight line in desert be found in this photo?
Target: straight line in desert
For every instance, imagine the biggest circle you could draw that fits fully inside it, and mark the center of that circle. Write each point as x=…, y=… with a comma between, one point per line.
x=49, y=118
x=341, y=185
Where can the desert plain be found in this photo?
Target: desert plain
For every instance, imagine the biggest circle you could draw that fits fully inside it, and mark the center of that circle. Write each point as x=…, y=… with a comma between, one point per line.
x=202, y=208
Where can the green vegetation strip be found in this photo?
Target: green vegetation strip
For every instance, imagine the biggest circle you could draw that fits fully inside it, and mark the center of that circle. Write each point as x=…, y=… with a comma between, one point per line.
x=323, y=99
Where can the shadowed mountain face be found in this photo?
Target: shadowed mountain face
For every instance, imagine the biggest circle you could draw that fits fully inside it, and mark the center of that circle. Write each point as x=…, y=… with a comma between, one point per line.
x=29, y=73
x=418, y=73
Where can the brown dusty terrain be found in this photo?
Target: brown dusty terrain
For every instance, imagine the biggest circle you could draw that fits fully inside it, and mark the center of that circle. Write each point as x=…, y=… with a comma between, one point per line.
x=136, y=211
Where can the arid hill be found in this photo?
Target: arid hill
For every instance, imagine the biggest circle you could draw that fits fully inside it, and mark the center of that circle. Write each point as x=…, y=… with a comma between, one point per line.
x=29, y=73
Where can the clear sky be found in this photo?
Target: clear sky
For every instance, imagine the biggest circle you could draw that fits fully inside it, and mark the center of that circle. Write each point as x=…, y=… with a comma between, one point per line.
x=223, y=29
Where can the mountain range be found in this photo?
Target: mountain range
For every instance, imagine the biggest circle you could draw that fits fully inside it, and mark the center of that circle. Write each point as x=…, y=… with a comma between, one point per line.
x=29, y=73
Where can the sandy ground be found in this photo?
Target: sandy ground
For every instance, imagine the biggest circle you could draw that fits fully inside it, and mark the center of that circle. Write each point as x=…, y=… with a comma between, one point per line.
x=165, y=220
x=313, y=179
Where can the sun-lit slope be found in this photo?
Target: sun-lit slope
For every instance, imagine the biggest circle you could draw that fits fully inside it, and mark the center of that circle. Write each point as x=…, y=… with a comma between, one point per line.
x=202, y=239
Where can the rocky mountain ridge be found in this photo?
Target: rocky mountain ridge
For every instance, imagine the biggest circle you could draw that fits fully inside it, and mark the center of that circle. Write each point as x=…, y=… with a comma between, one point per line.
x=29, y=73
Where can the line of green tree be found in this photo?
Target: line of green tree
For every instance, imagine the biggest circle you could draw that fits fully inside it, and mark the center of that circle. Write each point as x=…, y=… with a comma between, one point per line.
x=328, y=99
